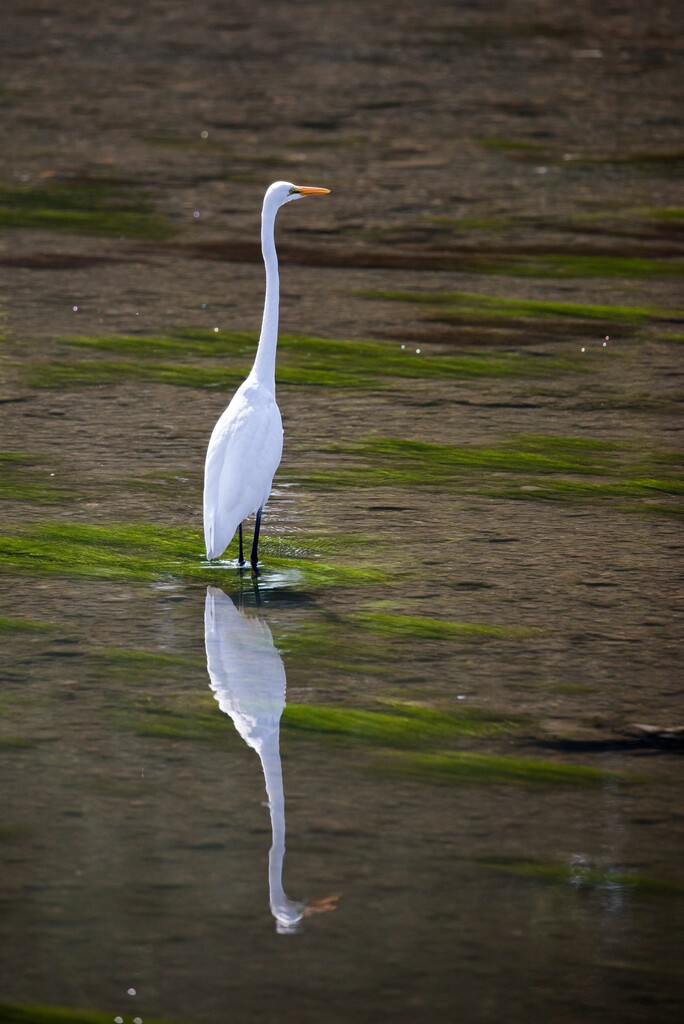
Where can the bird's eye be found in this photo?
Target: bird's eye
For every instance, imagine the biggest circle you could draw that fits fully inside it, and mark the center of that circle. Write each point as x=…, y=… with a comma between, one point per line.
x=292, y=191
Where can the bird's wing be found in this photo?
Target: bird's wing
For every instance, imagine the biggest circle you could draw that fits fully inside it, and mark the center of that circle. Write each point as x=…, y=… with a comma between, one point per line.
x=244, y=452
x=245, y=669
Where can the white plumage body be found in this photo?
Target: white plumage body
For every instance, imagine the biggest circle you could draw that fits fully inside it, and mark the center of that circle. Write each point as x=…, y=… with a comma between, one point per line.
x=244, y=453
x=247, y=442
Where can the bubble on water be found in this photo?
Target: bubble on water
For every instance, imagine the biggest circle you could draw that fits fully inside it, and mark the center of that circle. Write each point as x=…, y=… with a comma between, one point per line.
x=403, y=346
x=204, y=134
x=583, y=349
x=607, y=337
x=74, y=309
x=461, y=696
x=137, y=1020
x=131, y=991
x=216, y=330
x=604, y=344
x=417, y=351
x=203, y=305
x=118, y=1020
x=196, y=214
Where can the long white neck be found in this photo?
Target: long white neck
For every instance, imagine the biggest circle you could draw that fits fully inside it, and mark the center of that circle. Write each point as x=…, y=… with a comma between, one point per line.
x=264, y=363
x=287, y=912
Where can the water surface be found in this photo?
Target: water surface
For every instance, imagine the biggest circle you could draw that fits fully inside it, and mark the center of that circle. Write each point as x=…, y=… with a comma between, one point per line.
x=425, y=768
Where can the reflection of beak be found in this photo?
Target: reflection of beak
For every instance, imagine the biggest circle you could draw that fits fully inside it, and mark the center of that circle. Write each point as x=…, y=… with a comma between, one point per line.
x=322, y=905
x=308, y=190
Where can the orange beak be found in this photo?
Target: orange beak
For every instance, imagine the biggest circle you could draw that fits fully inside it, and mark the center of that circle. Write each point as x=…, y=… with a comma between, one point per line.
x=307, y=190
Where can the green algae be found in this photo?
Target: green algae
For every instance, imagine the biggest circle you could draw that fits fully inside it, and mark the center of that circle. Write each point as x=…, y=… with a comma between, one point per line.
x=95, y=208
x=569, y=490
x=573, y=265
x=363, y=640
x=664, y=214
x=467, y=304
x=404, y=726
x=621, y=220
x=80, y=373
x=389, y=359
x=26, y=1013
x=663, y=159
x=534, y=454
x=333, y=644
x=467, y=767
x=530, y=467
x=581, y=876
x=17, y=743
x=145, y=552
x=192, y=342
x=398, y=738
x=14, y=833
x=22, y=480
x=9, y=624
x=115, y=552
x=411, y=627
x=125, y=663
x=303, y=361
x=62, y=374
x=158, y=721
x=9, y=459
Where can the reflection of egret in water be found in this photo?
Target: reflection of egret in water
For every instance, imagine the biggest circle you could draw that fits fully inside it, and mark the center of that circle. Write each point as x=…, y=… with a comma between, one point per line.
x=247, y=676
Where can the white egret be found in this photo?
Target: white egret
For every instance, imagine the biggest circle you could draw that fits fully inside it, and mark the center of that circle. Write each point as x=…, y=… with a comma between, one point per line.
x=247, y=442
x=247, y=675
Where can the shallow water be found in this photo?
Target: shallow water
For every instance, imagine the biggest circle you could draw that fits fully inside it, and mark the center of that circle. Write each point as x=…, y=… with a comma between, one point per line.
x=426, y=766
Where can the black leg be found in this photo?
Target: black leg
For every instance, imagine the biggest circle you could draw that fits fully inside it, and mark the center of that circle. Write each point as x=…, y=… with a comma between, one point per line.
x=241, y=557
x=255, y=543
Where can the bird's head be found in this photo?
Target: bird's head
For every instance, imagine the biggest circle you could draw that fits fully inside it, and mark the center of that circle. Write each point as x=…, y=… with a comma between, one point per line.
x=281, y=192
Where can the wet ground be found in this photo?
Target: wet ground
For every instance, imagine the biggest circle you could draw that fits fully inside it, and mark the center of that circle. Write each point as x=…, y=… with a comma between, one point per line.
x=458, y=674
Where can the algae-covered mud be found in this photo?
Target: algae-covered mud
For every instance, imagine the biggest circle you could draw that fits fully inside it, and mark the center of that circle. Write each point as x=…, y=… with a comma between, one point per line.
x=425, y=766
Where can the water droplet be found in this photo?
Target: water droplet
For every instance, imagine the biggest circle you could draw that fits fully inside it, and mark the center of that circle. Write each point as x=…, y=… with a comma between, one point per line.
x=203, y=305
x=204, y=134
x=137, y=1020
x=196, y=214
x=607, y=337
x=118, y=1020
x=583, y=349
x=216, y=330
x=74, y=309
x=131, y=991
x=604, y=344
x=461, y=696
x=417, y=351
x=403, y=346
